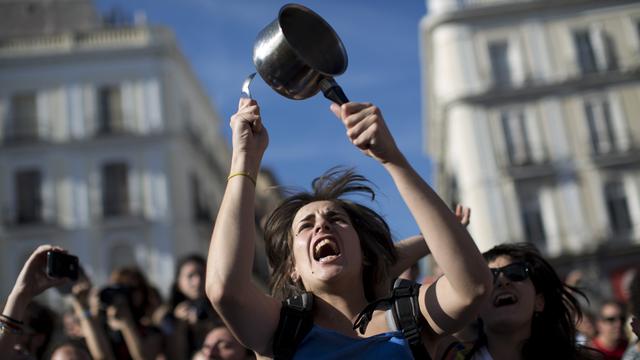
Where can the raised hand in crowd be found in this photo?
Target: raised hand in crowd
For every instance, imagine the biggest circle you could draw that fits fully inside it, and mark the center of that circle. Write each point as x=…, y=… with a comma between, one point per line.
x=85, y=304
x=31, y=281
x=126, y=305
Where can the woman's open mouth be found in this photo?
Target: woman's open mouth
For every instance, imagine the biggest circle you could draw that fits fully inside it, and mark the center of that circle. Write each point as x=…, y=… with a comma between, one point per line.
x=326, y=250
x=504, y=300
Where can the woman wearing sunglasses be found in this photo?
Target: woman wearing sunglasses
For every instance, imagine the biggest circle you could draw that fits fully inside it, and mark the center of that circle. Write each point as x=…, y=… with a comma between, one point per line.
x=529, y=314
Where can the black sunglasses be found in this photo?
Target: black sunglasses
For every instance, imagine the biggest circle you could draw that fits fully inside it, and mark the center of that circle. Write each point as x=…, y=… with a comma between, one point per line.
x=518, y=271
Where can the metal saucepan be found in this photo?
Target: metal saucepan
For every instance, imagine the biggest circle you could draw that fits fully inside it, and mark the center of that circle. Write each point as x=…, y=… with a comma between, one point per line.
x=299, y=53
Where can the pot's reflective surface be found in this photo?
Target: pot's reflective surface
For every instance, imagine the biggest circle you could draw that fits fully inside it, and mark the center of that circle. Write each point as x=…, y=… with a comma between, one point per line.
x=297, y=50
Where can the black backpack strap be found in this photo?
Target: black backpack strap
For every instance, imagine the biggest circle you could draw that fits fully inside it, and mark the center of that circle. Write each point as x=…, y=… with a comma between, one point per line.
x=296, y=320
x=407, y=315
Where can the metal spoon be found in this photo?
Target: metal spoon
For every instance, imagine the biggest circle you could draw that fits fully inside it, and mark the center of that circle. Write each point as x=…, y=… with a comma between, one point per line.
x=246, y=92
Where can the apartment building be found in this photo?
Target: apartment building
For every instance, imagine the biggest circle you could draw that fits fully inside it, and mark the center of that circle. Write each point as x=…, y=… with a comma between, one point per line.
x=532, y=118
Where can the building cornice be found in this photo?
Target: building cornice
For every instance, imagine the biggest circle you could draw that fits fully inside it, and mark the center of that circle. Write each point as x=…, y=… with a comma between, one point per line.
x=515, y=10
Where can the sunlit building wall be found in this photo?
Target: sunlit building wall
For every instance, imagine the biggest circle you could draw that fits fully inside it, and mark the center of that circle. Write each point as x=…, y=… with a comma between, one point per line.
x=532, y=118
x=109, y=146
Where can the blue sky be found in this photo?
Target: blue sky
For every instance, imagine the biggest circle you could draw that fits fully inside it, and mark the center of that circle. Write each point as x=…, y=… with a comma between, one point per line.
x=381, y=38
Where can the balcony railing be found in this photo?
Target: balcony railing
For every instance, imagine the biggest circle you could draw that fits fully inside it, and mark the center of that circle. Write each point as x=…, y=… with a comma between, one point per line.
x=98, y=39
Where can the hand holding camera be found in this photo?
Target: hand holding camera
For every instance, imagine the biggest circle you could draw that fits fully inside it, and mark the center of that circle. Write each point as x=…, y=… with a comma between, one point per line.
x=34, y=278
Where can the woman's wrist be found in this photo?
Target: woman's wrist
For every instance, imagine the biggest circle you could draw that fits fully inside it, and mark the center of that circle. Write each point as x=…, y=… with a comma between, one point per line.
x=16, y=304
x=242, y=163
x=397, y=162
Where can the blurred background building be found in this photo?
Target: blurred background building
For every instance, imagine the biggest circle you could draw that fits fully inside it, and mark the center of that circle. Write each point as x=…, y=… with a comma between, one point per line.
x=532, y=119
x=109, y=146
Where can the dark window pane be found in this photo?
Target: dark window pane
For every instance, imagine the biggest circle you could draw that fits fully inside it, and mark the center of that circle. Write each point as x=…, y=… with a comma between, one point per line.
x=24, y=119
x=584, y=49
x=110, y=117
x=600, y=126
x=115, y=191
x=532, y=220
x=516, y=137
x=200, y=210
x=593, y=131
x=499, y=57
x=617, y=209
x=454, y=192
x=28, y=186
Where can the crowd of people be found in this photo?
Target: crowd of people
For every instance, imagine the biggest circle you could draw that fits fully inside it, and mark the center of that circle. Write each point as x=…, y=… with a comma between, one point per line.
x=336, y=288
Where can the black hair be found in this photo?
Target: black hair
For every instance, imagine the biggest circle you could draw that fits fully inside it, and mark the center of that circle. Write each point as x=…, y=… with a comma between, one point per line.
x=553, y=329
x=176, y=296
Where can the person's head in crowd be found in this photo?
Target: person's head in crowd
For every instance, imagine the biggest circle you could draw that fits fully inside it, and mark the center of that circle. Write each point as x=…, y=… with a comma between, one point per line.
x=138, y=289
x=69, y=351
x=39, y=326
x=189, y=280
x=71, y=324
x=220, y=344
x=374, y=246
x=530, y=304
x=610, y=324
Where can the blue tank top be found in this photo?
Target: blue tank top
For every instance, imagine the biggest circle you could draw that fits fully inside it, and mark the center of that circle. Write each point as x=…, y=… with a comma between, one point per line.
x=321, y=343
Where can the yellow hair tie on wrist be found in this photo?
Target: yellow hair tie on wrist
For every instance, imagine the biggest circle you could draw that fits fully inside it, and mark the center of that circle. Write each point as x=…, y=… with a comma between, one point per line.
x=241, y=173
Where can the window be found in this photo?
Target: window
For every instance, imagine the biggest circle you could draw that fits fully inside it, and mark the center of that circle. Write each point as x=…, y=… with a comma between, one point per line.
x=24, y=119
x=531, y=213
x=200, y=210
x=500, y=69
x=617, y=209
x=110, y=116
x=584, y=49
x=516, y=137
x=595, y=50
x=28, y=185
x=599, y=122
x=454, y=192
x=115, y=190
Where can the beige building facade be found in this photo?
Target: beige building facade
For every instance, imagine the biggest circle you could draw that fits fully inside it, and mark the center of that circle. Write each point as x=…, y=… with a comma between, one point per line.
x=532, y=118
x=109, y=146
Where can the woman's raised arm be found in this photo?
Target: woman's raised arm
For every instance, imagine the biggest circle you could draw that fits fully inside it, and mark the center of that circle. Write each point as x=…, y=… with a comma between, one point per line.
x=251, y=314
x=456, y=298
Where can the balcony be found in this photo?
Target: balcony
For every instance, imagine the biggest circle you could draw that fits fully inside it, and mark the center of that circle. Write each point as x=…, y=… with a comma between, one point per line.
x=27, y=224
x=531, y=170
x=616, y=157
x=21, y=130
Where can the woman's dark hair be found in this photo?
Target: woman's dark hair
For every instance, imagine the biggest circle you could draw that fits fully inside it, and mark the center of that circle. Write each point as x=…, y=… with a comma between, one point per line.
x=378, y=252
x=553, y=330
x=134, y=279
x=176, y=296
x=41, y=320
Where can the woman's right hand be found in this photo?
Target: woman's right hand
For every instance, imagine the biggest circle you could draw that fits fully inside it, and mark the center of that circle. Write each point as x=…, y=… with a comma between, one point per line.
x=250, y=137
x=33, y=278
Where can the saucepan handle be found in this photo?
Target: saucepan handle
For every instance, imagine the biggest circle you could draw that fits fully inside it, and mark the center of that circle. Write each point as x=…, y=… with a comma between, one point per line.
x=333, y=91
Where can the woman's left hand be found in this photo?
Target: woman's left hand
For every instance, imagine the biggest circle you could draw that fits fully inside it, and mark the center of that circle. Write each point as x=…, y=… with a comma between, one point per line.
x=367, y=130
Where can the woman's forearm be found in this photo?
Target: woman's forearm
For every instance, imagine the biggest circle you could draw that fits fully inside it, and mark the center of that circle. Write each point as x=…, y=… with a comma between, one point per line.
x=446, y=238
x=95, y=337
x=15, y=309
x=134, y=342
x=231, y=251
